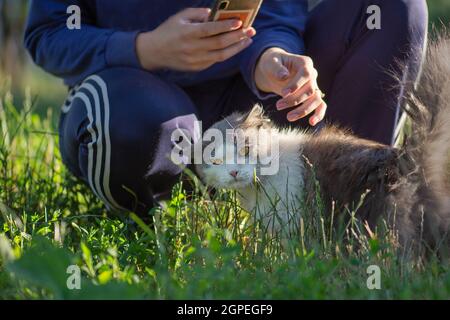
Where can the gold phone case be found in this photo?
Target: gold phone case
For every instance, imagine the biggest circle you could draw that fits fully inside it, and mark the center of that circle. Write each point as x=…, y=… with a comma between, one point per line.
x=244, y=10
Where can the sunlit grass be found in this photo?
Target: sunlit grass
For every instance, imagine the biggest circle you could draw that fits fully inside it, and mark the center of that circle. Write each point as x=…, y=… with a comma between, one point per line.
x=201, y=245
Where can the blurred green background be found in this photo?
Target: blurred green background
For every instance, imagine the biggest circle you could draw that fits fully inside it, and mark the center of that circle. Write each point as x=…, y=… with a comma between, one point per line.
x=18, y=73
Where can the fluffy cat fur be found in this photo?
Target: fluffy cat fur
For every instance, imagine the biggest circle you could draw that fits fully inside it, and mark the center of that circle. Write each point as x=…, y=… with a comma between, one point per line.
x=407, y=186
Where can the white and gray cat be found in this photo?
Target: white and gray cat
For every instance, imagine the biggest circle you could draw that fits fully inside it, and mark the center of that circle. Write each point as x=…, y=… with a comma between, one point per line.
x=407, y=186
x=275, y=197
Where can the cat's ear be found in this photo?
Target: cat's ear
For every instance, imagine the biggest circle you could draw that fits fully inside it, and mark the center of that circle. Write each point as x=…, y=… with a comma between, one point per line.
x=255, y=118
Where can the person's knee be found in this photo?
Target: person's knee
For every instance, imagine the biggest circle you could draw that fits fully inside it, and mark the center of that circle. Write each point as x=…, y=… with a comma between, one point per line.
x=146, y=111
x=409, y=16
x=135, y=151
x=410, y=7
x=128, y=132
x=142, y=169
x=148, y=145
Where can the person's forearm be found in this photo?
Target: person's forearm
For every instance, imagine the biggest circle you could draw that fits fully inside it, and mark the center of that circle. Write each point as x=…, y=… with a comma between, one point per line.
x=74, y=54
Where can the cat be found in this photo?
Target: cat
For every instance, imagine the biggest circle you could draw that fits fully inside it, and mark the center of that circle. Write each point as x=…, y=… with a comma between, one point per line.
x=407, y=186
x=275, y=197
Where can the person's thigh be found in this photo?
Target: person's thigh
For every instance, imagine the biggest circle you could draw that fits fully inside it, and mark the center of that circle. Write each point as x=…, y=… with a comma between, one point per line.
x=356, y=64
x=116, y=135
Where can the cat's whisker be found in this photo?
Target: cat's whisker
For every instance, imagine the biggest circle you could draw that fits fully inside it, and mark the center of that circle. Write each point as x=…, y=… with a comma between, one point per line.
x=229, y=123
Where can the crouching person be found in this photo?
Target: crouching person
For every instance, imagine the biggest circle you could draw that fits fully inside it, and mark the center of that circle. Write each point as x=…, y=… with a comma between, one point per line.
x=137, y=71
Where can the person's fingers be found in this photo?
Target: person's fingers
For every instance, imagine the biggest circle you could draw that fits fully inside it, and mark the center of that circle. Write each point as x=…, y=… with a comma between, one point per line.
x=303, y=76
x=319, y=114
x=298, y=97
x=306, y=108
x=225, y=40
x=225, y=54
x=195, y=14
x=305, y=71
x=209, y=29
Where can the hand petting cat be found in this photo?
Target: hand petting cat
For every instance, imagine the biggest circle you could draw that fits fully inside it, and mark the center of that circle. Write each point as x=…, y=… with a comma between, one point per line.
x=294, y=78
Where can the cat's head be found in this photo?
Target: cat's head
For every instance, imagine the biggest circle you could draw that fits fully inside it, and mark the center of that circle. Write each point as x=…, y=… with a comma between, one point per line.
x=241, y=154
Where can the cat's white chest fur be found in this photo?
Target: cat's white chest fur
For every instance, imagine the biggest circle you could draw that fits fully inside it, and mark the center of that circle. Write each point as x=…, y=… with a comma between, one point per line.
x=277, y=199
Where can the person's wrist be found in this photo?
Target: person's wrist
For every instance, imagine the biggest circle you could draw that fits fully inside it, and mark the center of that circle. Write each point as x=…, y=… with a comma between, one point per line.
x=146, y=49
x=261, y=81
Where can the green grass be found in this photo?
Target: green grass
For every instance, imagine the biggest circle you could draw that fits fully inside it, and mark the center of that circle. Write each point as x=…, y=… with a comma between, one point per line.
x=198, y=247
x=439, y=11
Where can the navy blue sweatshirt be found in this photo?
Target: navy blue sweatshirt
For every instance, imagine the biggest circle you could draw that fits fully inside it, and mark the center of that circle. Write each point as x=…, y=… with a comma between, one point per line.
x=109, y=29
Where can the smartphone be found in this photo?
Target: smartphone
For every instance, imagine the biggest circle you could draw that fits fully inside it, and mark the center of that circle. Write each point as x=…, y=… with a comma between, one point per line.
x=244, y=10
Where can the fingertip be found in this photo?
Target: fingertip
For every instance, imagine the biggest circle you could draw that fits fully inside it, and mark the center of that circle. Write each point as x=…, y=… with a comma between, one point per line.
x=291, y=119
x=286, y=92
x=283, y=74
x=236, y=24
x=314, y=120
x=281, y=105
x=292, y=116
x=251, y=32
x=205, y=11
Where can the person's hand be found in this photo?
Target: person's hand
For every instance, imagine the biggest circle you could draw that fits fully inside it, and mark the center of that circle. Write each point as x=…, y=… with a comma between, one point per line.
x=187, y=42
x=294, y=78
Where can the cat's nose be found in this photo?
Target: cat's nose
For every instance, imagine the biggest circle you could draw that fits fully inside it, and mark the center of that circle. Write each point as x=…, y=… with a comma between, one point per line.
x=234, y=173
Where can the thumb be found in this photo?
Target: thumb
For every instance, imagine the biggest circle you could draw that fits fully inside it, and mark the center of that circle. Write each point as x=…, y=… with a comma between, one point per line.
x=195, y=14
x=279, y=70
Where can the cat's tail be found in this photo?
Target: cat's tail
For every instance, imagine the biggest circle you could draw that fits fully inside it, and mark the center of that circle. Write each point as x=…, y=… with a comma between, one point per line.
x=428, y=142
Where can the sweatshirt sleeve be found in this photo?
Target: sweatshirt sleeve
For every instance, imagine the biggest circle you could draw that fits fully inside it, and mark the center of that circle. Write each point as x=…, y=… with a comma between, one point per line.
x=78, y=53
x=280, y=23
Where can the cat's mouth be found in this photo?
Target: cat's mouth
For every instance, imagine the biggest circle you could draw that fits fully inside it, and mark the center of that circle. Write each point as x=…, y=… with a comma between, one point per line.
x=230, y=184
x=237, y=183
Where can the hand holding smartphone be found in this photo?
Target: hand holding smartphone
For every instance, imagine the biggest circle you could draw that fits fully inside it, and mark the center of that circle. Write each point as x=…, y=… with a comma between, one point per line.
x=244, y=10
x=187, y=41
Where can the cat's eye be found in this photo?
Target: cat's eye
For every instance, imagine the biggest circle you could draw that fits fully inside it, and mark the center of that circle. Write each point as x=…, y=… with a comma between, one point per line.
x=245, y=151
x=216, y=162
